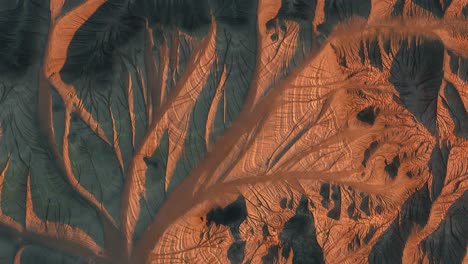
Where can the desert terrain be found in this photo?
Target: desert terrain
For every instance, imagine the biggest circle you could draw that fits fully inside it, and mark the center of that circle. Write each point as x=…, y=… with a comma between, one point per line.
x=234, y=131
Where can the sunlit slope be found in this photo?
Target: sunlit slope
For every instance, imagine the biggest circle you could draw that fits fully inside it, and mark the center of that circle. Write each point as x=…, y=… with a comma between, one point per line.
x=227, y=131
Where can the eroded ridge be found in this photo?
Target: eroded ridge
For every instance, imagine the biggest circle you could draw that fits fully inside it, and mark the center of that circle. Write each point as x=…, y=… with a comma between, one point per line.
x=233, y=131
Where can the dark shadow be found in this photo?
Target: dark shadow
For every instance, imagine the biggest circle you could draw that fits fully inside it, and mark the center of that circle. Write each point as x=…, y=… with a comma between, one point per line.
x=337, y=11
x=299, y=235
x=457, y=110
x=447, y=244
x=189, y=16
x=302, y=10
x=231, y=216
x=24, y=25
x=436, y=7
x=389, y=247
x=90, y=55
x=418, y=77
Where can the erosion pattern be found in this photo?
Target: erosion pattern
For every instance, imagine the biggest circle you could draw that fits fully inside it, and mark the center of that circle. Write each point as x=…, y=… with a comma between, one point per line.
x=233, y=131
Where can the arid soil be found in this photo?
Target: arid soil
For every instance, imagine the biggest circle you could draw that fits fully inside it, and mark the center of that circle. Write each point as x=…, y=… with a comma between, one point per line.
x=233, y=131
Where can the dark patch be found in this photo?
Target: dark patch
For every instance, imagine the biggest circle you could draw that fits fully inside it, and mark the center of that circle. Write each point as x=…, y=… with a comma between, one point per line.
x=321, y=38
x=312, y=204
x=290, y=204
x=232, y=216
x=282, y=26
x=150, y=162
x=409, y=174
x=340, y=55
x=335, y=212
x=373, y=53
x=336, y=193
x=271, y=256
x=398, y=8
x=434, y=6
x=364, y=206
x=392, y=168
x=286, y=250
x=361, y=94
x=346, y=8
x=355, y=244
x=457, y=111
x=342, y=61
x=465, y=11
x=447, y=244
x=299, y=235
x=283, y=203
x=75, y=120
x=42, y=255
x=236, y=252
x=352, y=211
x=438, y=167
x=463, y=71
x=387, y=46
x=389, y=247
x=361, y=54
x=379, y=209
x=23, y=31
x=70, y=4
x=297, y=10
x=325, y=193
x=454, y=62
x=274, y=37
x=369, y=151
x=271, y=24
x=91, y=50
x=369, y=234
x=234, y=13
x=72, y=137
x=367, y=115
x=418, y=207
x=74, y=117
x=417, y=77
x=265, y=231
x=446, y=4
x=57, y=103
x=186, y=15
x=337, y=11
x=458, y=65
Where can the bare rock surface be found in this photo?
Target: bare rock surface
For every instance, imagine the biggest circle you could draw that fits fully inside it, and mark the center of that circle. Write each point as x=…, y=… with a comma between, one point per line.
x=233, y=131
